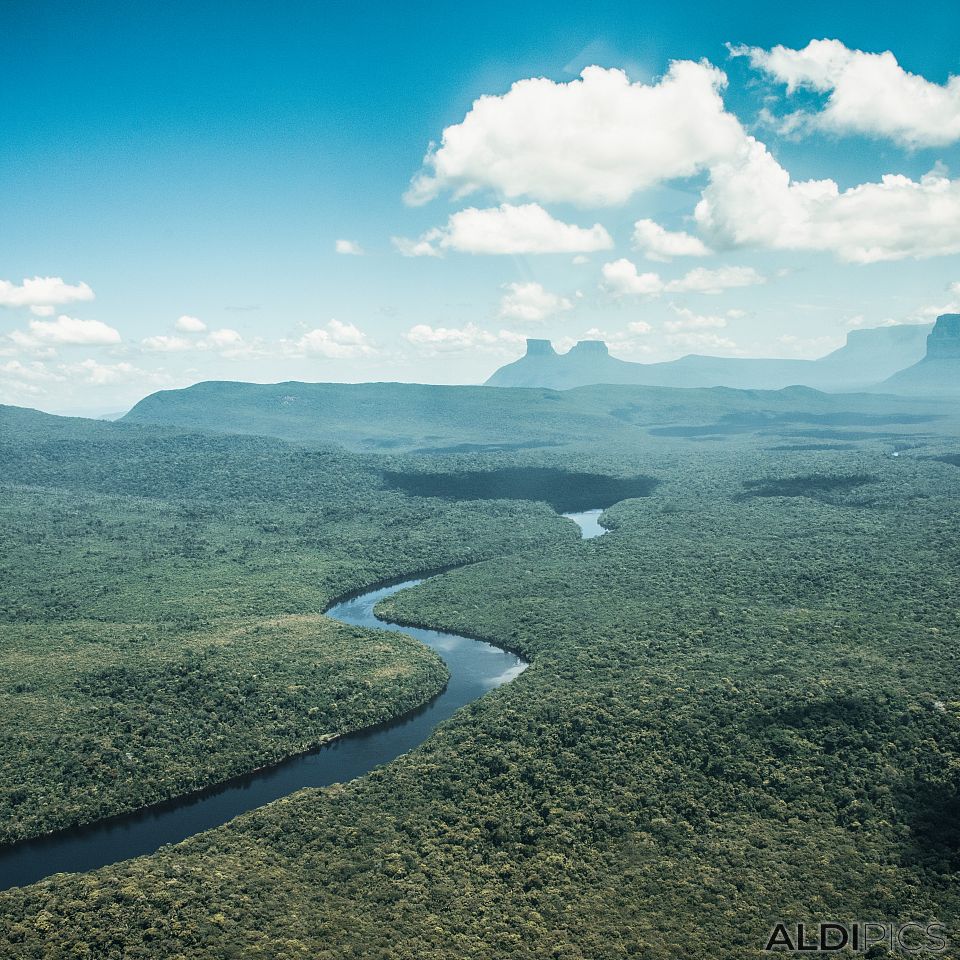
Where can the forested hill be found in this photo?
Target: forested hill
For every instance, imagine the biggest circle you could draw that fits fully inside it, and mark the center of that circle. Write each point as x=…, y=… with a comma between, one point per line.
x=427, y=419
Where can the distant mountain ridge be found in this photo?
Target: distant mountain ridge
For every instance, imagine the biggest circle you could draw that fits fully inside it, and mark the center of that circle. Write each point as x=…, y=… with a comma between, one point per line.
x=868, y=357
x=432, y=420
x=938, y=372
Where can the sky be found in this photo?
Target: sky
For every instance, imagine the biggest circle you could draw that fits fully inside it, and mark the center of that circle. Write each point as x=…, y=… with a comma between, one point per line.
x=379, y=191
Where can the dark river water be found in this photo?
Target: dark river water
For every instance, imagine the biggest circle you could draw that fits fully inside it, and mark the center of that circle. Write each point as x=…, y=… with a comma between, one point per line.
x=475, y=667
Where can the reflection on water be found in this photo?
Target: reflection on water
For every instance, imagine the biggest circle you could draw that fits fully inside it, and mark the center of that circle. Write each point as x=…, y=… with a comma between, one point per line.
x=589, y=523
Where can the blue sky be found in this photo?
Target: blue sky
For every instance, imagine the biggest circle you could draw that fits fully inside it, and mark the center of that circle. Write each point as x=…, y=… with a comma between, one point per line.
x=180, y=162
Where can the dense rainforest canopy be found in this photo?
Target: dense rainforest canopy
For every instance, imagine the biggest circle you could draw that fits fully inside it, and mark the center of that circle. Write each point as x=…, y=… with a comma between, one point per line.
x=742, y=704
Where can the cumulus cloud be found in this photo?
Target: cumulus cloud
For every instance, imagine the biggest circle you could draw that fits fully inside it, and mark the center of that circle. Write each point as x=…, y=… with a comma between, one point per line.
x=42, y=292
x=593, y=141
x=224, y=338
x=868, y=93
x=167, y=344
x=930, y=311
x=702, y=280
x=657, y=243
x=65, y=331
x=531, y=303
x=599, y=139
x=225, y=341
x=686, y=319
x=98, y=374
x=751, y=201
x=506, y=229
x=349, y=247
x=189, y=324
x=703, y=340
x=438, y=340
x=19, y=380
x=232, y=345
x=336, y=340
x=423, y=247
x=632, y=340
x=621, y=278
x=34, y=372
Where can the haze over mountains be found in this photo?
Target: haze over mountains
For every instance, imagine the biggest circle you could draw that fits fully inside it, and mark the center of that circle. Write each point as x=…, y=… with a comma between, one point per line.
x=894, y=360
x=868, y=358
x=938, y=372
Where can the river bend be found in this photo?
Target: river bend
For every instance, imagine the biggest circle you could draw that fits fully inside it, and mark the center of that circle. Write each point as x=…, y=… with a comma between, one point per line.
x=474, y=666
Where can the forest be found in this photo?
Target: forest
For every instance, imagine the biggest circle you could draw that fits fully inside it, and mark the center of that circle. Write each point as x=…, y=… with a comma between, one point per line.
x=741, y=707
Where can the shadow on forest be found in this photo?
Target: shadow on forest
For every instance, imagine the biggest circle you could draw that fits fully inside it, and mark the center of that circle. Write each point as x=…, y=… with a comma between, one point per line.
x=564, y=490
x=932, y=811
x=818, y=486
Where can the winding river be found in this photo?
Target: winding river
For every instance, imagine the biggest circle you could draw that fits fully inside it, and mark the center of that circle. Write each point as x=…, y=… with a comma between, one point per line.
x=475, y=667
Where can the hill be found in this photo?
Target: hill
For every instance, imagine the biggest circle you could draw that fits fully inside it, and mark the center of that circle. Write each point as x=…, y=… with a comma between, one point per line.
x=431, y=420
x=868, y=357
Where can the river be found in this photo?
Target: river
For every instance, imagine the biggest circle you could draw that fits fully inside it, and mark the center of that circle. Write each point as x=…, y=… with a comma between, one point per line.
x=475, y=667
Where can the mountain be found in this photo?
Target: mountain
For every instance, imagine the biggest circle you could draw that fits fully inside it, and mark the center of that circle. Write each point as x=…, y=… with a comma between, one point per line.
x=868, y=357
x=938, y=373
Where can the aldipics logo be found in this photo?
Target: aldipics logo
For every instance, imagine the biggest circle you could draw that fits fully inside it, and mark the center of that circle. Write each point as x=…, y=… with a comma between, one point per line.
x=858, y=936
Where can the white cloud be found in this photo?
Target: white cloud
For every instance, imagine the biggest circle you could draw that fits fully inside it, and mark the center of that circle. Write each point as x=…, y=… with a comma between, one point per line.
x=43, y=311
x=190, y=324
x=632, y=340
x=506, y=229
x=349, y=247
x=65, y=331
x=869, y=93
x=688, y=320
x=231, y=344
x=599, y=139
x=657, y=243
x=531, y=303
x=19, y=380
x=224, y=338
x=751, y=201
x=35, y=372
x=594, y=141
x=225, y=341
x=166, y=344
x=702, y=340
x=416, y=248
x=621, y=278
x=337, y=340
x=42, y=292
x=437, y=340
x=928, y=312
x=702, y=280
x=98, y=374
